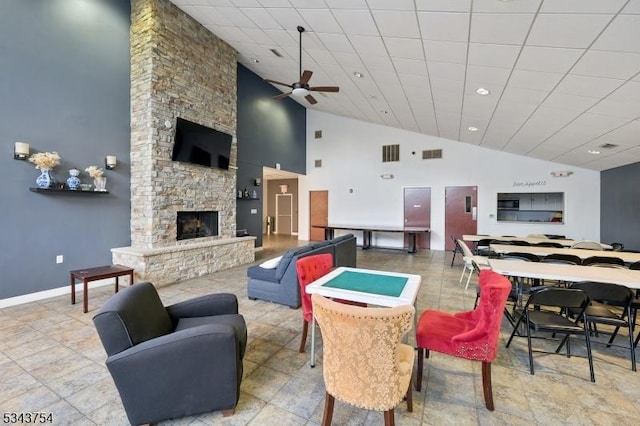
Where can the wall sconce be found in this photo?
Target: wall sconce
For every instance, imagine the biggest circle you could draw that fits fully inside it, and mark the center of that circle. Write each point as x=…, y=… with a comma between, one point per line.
x=110, y=162
x=258, y=181
x=21, y=151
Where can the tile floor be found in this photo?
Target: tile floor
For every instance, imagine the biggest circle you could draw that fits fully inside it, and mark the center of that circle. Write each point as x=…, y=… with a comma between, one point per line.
x=51, y=360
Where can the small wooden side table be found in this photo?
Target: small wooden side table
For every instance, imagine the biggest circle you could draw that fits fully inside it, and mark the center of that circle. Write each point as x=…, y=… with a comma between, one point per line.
x=93, y=274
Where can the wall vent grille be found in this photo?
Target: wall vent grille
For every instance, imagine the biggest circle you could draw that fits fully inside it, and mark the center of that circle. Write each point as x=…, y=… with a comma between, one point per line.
x=318, y=134
x=608, y=146
x=390, y=153
x=318, y=163
x=431, y=154
x=276, y=53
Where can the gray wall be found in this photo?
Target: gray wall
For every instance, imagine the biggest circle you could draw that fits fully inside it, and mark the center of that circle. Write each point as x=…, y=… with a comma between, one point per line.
x=64, y=86
x=620, y=206
x=269, y=132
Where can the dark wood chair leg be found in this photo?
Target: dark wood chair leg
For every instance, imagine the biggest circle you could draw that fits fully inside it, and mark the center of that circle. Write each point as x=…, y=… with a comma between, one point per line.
x=410, y=397
x=389, y=418
x=229, y=412
x=486, y=385
x=419, y=372
x=328, y=410
x=303, y=341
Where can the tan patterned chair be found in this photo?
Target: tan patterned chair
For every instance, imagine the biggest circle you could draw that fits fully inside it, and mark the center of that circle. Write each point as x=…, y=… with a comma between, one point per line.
x=365, y=362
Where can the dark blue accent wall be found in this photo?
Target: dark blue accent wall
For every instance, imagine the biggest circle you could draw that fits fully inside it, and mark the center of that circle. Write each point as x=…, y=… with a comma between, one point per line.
x=64, y=86
x=269, y=132
x=619, y=206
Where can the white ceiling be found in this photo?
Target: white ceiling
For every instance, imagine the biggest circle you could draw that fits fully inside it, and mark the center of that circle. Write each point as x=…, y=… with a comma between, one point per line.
x=563, y=75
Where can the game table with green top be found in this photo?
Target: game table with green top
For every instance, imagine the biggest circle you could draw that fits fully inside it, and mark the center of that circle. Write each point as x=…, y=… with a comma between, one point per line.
x=373, y=287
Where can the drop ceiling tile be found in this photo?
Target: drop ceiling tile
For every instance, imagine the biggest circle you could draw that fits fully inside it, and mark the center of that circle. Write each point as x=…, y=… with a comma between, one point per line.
x=409, y=48
x=444, y=5
x=410, y=66
x=581, y=85
x=622, y=35
x=282, y=38
x=446, y=70
x=595, y=125
x=444, y=26
x=261, y=18
x=445, y=51
x=288, y=18
x=535, y=80
x=394, y=23
x=356, y=22
x=513, y=28
x=335, y=42
x=320, y=20
x=377, y=63
x=439, y=85
x=235, y=17
x=632, y=7
x=307, y=4
x=479, y=76
x=597, y=63
x=547, y=59
x=562, y=30
x=628, y=92
x=493, y=55
x=573, y=102
x=347, y=4
x=391, y=5
x=275, y=3
x=526, y=96
x=582, y=6
x=367, y=45
x=493, y=6
x=617, y=109
x=350, y=61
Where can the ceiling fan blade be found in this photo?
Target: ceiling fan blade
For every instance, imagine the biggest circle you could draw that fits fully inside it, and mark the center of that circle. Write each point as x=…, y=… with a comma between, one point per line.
x=277, y=82
x=282, y=95
x=305, y=77
x=324, y=89
x=311, y=99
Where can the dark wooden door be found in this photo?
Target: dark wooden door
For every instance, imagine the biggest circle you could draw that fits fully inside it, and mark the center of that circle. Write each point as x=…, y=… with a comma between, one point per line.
x=318, y=214
x=417, y=212
x=461, y=212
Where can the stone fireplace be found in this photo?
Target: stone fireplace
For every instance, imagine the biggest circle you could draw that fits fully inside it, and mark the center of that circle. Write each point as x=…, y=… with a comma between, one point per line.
x=198, y=224
x=179, y=69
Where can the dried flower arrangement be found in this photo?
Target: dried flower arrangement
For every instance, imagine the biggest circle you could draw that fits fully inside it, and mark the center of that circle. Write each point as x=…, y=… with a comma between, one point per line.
x=45, y=160
x=94, y=172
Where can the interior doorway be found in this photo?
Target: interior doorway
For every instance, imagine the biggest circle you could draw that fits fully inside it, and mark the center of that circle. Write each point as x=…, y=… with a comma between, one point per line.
x=284, y=214
x=461, y=212
x=318, y=214
x=417, y=212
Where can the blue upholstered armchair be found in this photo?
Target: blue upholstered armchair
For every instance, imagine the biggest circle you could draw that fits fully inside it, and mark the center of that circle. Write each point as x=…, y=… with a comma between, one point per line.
x=174, y=361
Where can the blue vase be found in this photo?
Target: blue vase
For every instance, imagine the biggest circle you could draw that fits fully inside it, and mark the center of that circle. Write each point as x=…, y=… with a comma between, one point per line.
x=73, y=182
x=44, y=180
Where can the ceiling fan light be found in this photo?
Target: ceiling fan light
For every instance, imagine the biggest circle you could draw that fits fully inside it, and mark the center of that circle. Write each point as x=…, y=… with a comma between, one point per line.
x=300, y=92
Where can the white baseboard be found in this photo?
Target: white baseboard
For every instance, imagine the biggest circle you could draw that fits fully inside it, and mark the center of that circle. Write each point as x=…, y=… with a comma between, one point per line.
x=55, y=292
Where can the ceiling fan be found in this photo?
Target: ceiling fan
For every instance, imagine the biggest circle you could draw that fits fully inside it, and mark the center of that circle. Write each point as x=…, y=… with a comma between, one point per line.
x=301, y=88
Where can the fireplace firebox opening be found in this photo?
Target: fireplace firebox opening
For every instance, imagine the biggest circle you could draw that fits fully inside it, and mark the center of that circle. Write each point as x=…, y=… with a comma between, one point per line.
x=197, y=224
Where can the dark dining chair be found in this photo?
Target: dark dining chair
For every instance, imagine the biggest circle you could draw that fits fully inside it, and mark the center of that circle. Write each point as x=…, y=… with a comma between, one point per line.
x=546, y=310
x=549, y=244
x=562, y=258
x=617, y=246
x=610, y=304
x=605, y=261
x=456, y=249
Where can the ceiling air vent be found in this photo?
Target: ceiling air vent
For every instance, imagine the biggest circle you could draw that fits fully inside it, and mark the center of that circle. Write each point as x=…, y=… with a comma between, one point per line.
x=608, y=146
x=430, y=154
x=276, y=53
x=390, y=153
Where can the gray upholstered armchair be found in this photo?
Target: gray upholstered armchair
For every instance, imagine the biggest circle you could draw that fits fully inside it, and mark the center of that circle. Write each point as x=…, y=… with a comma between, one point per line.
x=176, y=361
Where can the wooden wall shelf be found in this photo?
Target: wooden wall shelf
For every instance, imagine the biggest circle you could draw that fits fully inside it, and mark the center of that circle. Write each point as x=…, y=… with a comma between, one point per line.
x=66, y=191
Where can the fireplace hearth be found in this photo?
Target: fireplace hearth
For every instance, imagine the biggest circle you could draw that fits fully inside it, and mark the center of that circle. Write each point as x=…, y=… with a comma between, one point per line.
x=197, y=224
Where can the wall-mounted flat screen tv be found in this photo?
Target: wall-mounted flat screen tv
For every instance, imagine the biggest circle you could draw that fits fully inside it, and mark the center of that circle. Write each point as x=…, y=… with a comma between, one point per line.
x=198, y=144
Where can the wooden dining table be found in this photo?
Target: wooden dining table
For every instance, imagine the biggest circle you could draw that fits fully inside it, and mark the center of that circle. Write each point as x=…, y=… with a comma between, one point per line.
x=627, y=257
x=531, y=240
x=569, y=273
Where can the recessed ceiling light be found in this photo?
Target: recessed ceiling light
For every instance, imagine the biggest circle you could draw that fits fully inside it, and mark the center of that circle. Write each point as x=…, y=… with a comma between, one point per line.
x=384, y=111
x=482, y=91
x=254, y=60
x=358, y=74
x=473, y=129
x=593, y=151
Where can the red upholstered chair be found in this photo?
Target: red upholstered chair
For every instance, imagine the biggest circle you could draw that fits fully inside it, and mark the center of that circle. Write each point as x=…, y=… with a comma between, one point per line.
x=309, y=269
x=472, y=334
